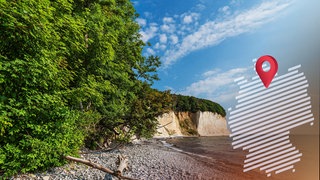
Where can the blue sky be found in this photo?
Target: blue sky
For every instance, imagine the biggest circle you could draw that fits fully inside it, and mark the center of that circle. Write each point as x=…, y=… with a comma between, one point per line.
x=204, y=44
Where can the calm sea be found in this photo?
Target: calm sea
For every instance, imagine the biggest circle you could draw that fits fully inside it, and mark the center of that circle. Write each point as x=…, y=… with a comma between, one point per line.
x=219, y=150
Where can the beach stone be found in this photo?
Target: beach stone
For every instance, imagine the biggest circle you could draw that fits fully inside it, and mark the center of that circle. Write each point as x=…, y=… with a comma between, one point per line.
x=32, y=176
x=107, y=177
x=45, y=177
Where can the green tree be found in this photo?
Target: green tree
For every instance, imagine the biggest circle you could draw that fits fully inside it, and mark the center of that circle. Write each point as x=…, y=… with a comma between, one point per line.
x=36, y=124
x=149, y=105
x=109, y=69
x=64, y=65
x=72, y=72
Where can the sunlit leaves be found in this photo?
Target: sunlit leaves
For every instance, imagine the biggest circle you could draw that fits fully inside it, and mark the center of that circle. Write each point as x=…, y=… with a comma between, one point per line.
x=69, y=71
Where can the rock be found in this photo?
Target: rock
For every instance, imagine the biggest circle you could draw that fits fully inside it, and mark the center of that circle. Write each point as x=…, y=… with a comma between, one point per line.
x=32, y=176
x=45, y=177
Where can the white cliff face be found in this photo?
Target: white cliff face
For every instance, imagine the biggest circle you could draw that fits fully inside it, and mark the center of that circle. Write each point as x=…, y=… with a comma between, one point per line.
x=205, y=123
x=168, y=125
x=211, y=124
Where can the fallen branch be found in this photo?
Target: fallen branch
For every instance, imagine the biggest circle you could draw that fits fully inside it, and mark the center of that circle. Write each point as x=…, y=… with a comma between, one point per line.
x=123, y=164
x=100, y=167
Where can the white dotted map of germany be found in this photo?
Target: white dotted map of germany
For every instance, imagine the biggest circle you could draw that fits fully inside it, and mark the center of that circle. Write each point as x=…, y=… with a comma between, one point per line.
x=261, y=121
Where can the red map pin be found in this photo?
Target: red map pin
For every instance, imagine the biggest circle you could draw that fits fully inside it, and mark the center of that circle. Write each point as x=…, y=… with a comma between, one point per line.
x=266, y=76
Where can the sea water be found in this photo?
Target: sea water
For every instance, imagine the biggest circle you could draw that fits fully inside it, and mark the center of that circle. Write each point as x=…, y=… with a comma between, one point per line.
x=219, y=150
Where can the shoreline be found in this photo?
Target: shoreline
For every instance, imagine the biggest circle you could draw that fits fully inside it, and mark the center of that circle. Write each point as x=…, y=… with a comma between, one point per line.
x=149, y=159
x=184, y=136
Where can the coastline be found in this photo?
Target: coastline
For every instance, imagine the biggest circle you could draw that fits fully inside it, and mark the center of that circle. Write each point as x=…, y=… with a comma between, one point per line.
x=149, y=159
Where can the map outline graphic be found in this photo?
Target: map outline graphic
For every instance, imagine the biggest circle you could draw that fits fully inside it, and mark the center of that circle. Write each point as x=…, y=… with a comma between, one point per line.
x=263, y=117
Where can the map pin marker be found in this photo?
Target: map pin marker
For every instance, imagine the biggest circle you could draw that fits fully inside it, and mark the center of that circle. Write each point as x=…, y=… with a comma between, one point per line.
x=266, y=76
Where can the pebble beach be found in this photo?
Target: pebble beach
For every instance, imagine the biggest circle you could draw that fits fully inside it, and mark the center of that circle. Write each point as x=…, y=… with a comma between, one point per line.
x=148, y=159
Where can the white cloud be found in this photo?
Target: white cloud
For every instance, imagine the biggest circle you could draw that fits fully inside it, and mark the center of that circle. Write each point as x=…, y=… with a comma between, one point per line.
x=216, y=85
x=174, y=39
x=186, y=28
x=214, y=80
x=163, y=38
x=150, y=51
x=165, y=28
x=225, y=10
x=235, y=2
x=160, y=46
x=200, y=7
x=169, y=88
x=142, y=22
x=189, y=18
x=149, y=33
x=163, y=47
x=157, y=45
x=212, y=32
x=210, y=73
x=225, y=97
x=168, y=28
x=136, y=3
x=168, y=20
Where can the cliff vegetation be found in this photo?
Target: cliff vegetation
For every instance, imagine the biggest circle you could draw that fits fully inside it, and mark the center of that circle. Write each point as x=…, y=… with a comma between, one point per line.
x=193, y=104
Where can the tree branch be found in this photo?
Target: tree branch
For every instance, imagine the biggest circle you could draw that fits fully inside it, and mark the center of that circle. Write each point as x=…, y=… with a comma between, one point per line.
x=100, y=167
x=164, y=125
x=123, y=164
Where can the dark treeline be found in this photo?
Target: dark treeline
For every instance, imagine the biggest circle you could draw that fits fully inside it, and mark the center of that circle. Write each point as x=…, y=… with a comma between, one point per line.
x=193, y=104
x=72, y=74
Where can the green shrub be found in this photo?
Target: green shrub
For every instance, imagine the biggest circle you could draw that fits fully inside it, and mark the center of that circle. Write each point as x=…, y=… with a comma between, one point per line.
x=36, y=144
x=73, y=72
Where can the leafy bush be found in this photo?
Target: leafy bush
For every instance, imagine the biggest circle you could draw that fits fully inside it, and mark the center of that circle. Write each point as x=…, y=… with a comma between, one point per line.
x=70, y=72
x=37, y=127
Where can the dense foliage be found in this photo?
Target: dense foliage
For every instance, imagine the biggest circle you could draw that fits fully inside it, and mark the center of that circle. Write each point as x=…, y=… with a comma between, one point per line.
x=193, y=104
x=70, y=72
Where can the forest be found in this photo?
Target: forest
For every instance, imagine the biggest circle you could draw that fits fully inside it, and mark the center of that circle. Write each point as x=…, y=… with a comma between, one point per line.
x=72, y=75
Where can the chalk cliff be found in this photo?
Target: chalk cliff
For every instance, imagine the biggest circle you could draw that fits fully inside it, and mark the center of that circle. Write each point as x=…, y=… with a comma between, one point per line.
x=191, y=124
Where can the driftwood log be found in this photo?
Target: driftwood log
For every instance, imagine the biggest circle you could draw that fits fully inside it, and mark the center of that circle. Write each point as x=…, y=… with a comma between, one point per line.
x=123, y=164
